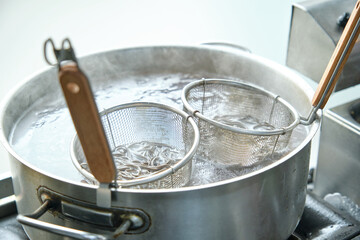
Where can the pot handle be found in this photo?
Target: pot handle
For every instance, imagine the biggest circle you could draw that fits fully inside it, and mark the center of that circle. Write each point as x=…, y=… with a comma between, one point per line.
x=32, y=221
x=228, y=45
x=84, y=112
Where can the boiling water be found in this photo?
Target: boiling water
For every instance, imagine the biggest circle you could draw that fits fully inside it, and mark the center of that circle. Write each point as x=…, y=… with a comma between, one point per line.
x=247, y=122
x=142, y=159
x=43, y=134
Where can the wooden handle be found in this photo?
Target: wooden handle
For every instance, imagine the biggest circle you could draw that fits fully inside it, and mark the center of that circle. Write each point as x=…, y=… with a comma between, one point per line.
x=340, y=47
x=87, y=122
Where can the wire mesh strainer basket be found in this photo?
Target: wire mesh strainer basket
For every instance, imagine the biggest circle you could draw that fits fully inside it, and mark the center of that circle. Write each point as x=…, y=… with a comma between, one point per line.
x=152, y=145
x=239, y=123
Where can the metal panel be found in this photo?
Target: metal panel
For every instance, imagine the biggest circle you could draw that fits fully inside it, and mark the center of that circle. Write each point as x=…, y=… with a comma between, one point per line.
x=339, y=154
x=6, y=188
x=313, y=36
x=7, y=198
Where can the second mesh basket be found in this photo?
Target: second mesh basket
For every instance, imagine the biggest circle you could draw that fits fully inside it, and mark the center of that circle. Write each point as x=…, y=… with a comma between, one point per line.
x=239, y=123
x=152, y=145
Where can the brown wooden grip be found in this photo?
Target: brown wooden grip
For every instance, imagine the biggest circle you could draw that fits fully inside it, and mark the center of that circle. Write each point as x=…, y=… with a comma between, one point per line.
x=87, y=122
x=340, y=47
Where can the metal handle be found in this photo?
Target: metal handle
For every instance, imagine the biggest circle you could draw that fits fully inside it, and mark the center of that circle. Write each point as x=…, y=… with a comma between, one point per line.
x=338, y=59
x=336, y=64
x=84, y=112
x=31, y=220
x=80, y=100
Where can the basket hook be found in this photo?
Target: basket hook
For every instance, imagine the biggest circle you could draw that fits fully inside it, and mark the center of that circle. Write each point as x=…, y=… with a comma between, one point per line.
x=65, y=53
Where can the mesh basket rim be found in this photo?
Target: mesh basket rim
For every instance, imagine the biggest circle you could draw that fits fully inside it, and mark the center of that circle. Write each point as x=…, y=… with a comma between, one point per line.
x=237, y=83
x=153, y=177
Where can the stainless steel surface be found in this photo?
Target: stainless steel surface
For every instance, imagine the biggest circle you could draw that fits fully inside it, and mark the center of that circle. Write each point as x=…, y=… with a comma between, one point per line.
x=103, y=195
x=82, y=213
x=7, y=198
x=313, y=37
x=264, y=204
x=338, y=161
x=6, y=187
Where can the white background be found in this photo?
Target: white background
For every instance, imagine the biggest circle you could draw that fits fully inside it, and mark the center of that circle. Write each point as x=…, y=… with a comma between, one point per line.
x=93, y=26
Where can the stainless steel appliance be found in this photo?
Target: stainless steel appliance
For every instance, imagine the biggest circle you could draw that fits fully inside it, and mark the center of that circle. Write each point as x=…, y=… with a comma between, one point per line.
x=316, y=27
x=338, y=167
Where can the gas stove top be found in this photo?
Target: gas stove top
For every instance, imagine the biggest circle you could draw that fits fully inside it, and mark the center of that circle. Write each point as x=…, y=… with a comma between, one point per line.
x=322, y=220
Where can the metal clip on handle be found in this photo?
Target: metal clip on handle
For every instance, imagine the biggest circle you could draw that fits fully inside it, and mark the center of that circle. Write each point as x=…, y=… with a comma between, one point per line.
x=32, y=221
x=62, y=54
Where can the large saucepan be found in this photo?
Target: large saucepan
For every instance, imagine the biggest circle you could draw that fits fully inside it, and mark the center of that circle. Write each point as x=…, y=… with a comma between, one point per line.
x=263, y=204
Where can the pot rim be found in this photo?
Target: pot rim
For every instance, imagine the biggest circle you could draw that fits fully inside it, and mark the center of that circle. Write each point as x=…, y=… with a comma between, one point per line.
x=237, y=52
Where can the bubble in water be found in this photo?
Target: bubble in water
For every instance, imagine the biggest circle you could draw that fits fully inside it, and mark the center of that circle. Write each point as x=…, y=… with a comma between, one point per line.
x=247, y=122
x=142, y=159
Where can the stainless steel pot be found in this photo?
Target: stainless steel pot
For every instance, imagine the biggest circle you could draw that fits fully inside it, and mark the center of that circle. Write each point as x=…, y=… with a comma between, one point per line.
x=264, y=204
